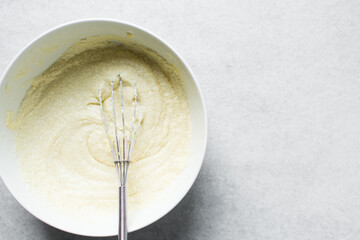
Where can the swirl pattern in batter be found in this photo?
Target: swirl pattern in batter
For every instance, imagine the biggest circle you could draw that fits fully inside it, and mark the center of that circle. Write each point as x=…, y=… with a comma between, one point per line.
x=60, y=137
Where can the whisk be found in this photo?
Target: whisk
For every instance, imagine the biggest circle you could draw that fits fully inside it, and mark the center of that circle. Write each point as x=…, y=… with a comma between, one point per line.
x=121, y=151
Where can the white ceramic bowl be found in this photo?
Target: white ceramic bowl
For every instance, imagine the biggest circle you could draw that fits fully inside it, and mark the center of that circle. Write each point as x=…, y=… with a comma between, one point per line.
x=46, y=49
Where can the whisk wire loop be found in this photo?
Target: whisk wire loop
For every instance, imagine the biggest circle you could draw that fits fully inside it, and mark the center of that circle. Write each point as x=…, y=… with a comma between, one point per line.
x=121, y=153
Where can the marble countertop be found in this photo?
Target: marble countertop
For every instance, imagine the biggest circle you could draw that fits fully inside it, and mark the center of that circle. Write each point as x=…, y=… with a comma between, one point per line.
x=281, y=80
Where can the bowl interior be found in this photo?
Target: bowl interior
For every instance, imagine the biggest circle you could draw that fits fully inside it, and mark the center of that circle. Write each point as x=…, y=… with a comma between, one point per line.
x=38, y=56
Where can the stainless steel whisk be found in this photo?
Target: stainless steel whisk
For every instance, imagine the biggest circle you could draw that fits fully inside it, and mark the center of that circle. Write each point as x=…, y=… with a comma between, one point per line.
x=121, y=153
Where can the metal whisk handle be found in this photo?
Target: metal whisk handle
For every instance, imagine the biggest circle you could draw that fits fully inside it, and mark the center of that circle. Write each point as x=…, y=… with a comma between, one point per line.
x=122, y=214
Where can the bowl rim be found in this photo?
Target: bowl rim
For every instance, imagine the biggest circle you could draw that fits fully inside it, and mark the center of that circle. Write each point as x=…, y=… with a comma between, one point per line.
x=204, y=109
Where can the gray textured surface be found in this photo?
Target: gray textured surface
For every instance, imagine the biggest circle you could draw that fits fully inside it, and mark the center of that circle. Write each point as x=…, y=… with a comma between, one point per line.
x=282, y=83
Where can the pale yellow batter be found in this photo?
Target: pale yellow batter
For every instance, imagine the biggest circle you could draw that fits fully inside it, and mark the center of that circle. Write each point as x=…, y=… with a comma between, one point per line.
x=61, y=140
